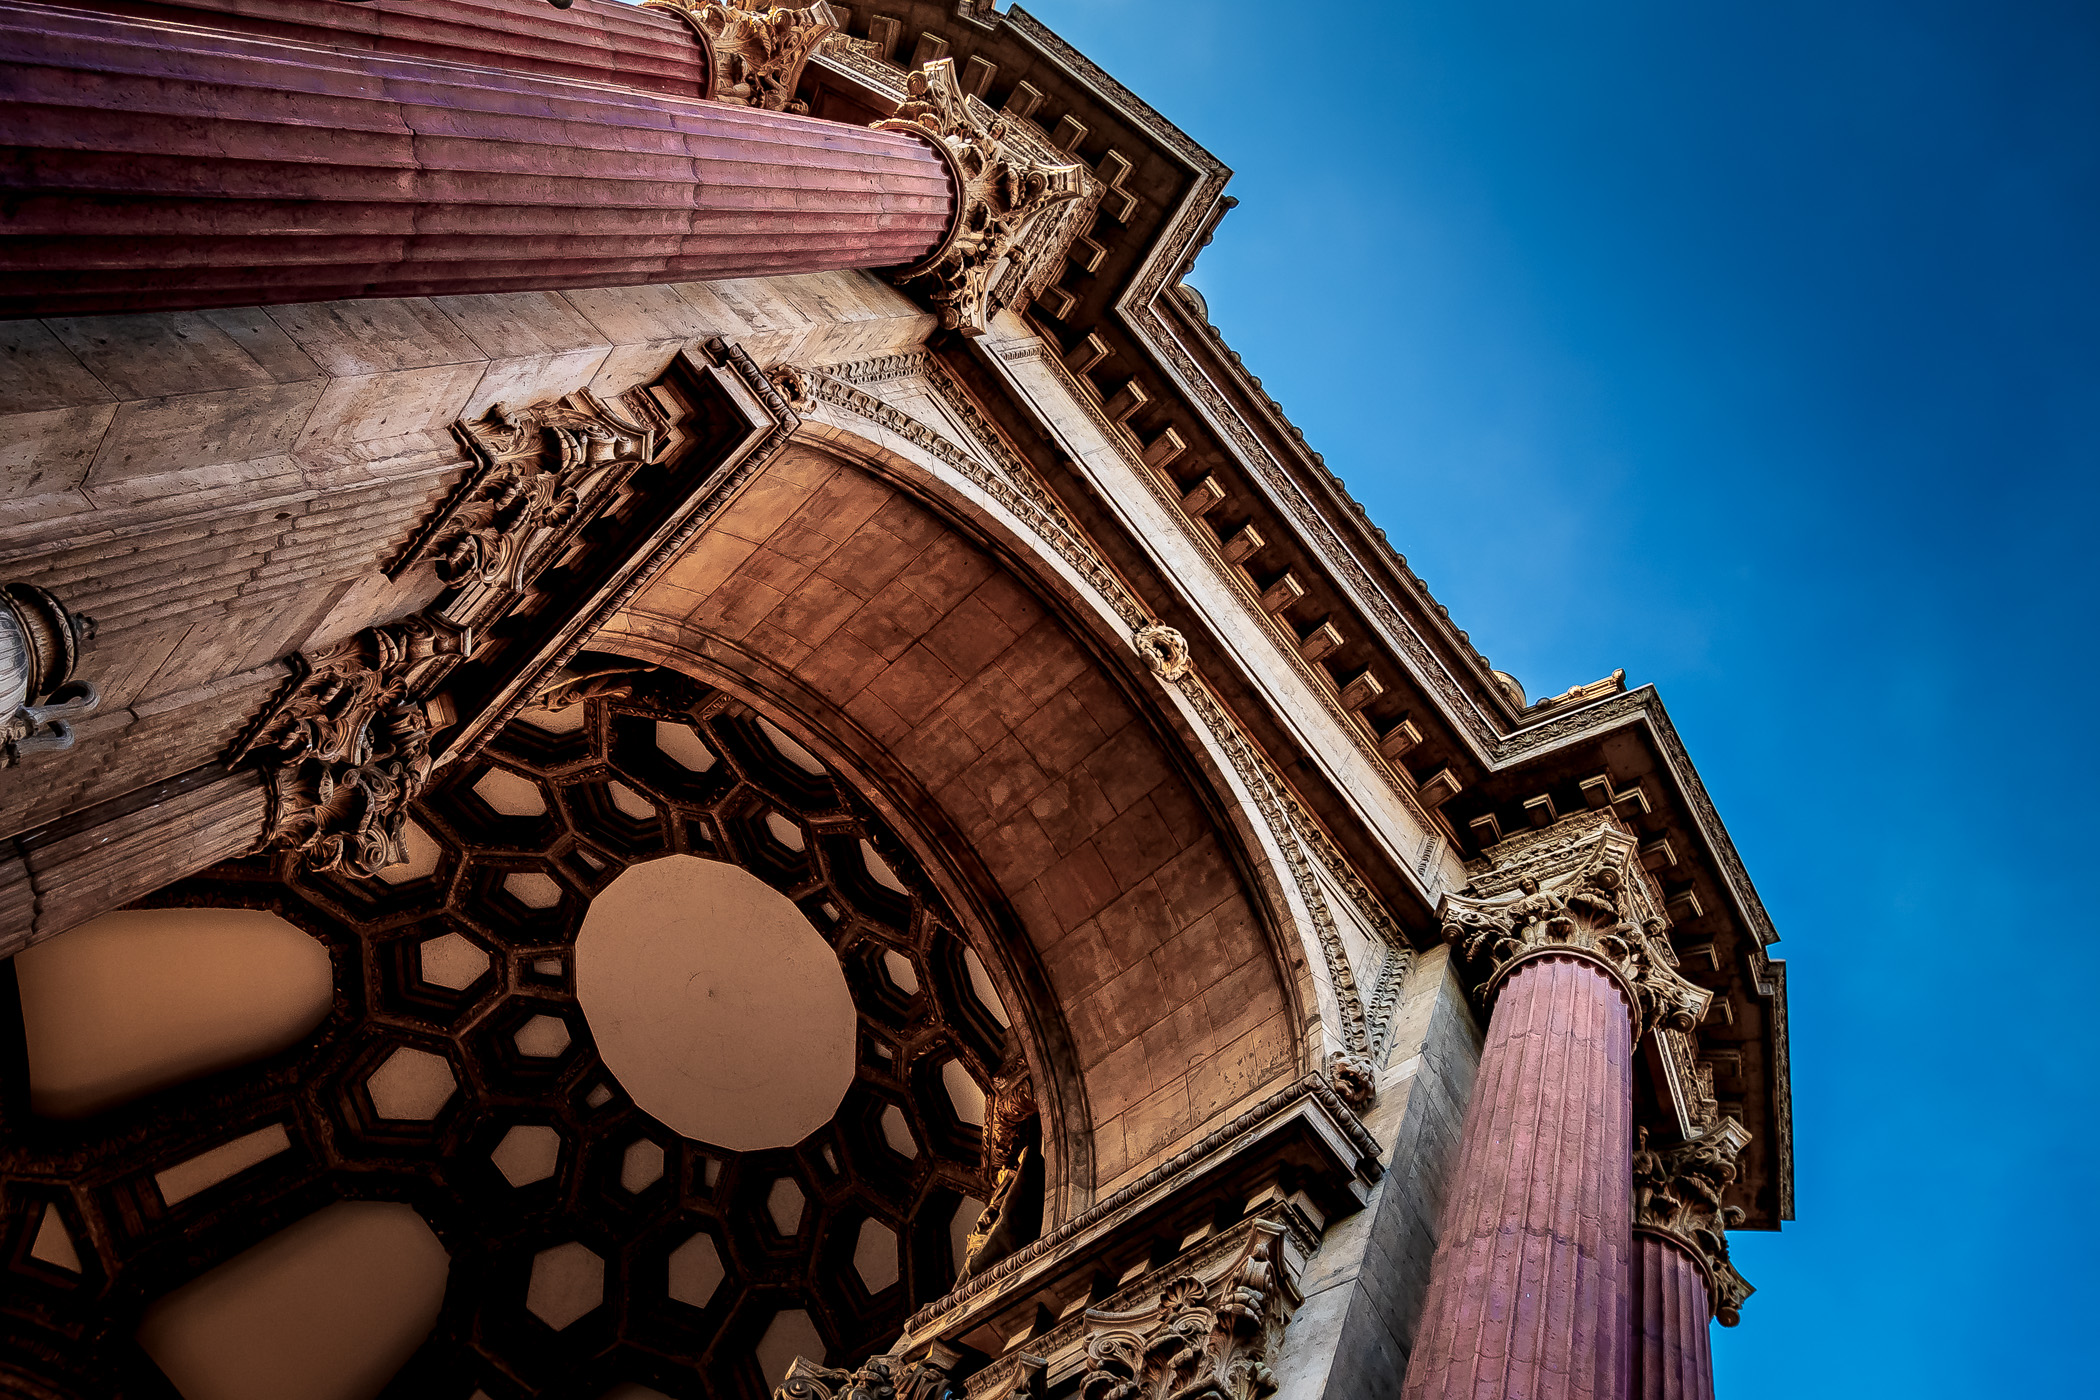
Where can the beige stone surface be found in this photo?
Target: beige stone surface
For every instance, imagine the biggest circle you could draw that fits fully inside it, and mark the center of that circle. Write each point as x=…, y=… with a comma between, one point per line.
x=327, y=1309
x=140, y=999
x=924, y=643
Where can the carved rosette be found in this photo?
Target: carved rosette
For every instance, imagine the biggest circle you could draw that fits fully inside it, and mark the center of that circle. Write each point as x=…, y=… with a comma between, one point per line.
x=542, y=472
x=346, y=748
x=878, y=1378
x=1213, y=1340
x=1000, y=189
x=755, y=51
x=1677, y=1194
x=1575, y=888
x=1165, y=650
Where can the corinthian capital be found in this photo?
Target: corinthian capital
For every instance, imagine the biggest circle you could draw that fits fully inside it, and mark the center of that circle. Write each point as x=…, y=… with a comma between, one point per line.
x=755, y=51
x=1677, y=1193
x=1000, y=189
x=1575, y=887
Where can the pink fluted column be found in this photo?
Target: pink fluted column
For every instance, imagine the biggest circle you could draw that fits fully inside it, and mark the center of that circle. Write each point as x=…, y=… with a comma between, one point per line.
x=152, y=165
x=1529, y=1291
x=1672, y=1353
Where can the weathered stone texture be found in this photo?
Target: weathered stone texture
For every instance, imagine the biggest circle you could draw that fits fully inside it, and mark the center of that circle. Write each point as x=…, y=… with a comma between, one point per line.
x=1672, y=1331
x=943, y=658
x=1364, y=1289
x=1529, y=1289
x=220, y=489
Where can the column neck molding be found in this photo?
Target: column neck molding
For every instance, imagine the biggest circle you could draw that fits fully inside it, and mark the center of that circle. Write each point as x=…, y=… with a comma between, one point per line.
x=1575, y=889
x=1677, y=1194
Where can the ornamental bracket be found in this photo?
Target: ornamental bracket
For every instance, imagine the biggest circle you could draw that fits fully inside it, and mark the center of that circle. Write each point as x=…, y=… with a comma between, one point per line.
x=1000, y=189
x=345, y=748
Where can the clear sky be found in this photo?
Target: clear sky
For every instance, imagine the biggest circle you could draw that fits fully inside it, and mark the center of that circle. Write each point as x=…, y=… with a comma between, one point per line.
x=1754, y=348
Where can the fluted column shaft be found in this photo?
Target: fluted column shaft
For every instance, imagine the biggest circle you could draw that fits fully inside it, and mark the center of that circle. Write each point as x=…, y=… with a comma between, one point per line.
x=1529, y=1289
x=155, y=165
x=1672, y=1352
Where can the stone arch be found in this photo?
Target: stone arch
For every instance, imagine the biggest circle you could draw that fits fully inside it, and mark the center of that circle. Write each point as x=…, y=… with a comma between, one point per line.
x=885, y=608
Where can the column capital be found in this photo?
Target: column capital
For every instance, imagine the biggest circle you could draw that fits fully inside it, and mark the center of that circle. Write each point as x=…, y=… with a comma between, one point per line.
x=755, y=51
x=1574, y=889
x=1677, y=1195
x=1000, y=189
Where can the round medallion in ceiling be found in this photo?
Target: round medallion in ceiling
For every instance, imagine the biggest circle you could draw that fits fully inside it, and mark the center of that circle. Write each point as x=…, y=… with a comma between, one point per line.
x=716, y=1005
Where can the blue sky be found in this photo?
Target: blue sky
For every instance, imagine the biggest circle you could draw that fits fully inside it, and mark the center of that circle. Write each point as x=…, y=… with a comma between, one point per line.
x=1754, y=348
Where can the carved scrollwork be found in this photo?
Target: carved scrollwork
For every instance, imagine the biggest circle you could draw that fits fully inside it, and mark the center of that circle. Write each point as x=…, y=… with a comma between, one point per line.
x=1197, y=1339
x=1000, y=189
x=1165, y=650
x=542, y=472
x=878, y=1378
x=1575, y=886
x=1677, y=1192
x=40, y=645
x=756, y=50
x=346, y=748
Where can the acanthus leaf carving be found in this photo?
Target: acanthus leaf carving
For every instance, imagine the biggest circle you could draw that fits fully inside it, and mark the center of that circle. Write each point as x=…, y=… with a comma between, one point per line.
x=877, y=1378
x=542, y=472
x=1678, y=1192
x=1197, y=1339
x=756, y=51
x=1575, y=887
x=346, y=748
x=1001, y=187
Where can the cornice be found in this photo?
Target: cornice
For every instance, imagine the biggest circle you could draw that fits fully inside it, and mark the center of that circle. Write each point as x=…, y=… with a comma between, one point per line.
x=1641, y=710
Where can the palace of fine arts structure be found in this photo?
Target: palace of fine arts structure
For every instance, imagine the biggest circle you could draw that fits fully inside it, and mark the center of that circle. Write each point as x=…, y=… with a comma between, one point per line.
x=674, y=726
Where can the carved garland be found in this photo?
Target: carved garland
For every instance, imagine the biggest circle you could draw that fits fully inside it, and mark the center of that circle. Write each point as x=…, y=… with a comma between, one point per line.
x=1234, y=578
x=1286, y=819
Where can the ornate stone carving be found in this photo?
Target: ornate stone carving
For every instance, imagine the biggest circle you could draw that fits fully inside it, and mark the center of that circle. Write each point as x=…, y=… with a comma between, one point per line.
x=1677, y=1192
x=756, y=51
x=793, y=385
x=998, y=1231
x=1013, y=484
x=346, y=748
x=1575, y=886
x=40, y=643
x=877, y=1378
x=1165, y=650
x=1354, y=1078
x=1000, y=188
x=543, y=472
x=1197, y=1340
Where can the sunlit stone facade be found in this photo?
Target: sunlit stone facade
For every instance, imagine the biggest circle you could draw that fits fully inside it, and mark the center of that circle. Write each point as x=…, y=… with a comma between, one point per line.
x=723, y=750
